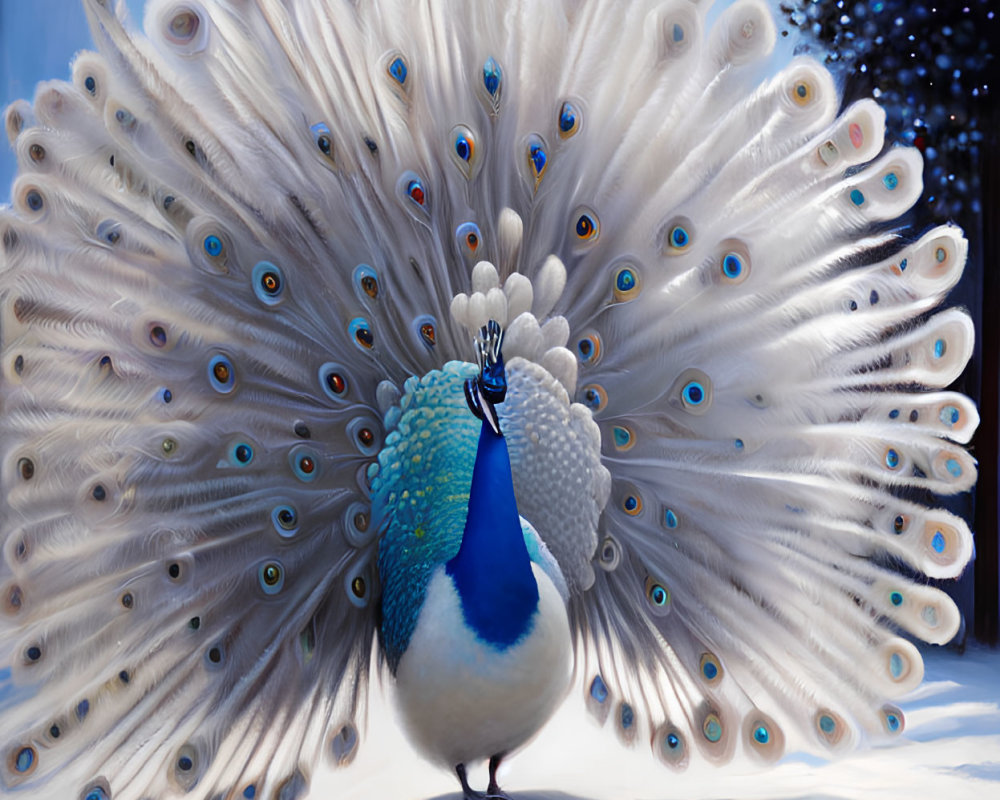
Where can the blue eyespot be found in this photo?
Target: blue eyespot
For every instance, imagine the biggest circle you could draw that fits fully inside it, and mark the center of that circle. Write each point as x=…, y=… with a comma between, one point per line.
x=268, y=283
x=463, y=147
x=598, y=689
x=658, y=595
x=492, y=77
x=857, y=197
x=90, y=84
x=241, y=454
x=594, y=397
x=96, y=793
x=285, y=520
x=896, y=598
x=891, y=459
x=670, y=518
x=361, y=332
x=761, y=735
x=693, y=393
x=212, y=245
x=826, y=724
x=33, y=199
x=221, y=375
x=672, y=740
x=626, y=284
x=569, y=120
x=938, y=542
x=732, y=266
x=954, y=467
x=622, y=437
x=398, y=70
x=940, y=346
x=537, y=159
x=949, y=415
x=24, y=761
x=890, y=181
x=679, y=237
x=712, y=728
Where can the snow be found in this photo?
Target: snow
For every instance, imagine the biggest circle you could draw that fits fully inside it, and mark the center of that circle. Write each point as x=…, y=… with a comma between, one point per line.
x=949, y=751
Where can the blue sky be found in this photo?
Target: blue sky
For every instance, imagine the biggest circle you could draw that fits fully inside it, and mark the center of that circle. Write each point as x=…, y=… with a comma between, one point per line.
x=37, y=42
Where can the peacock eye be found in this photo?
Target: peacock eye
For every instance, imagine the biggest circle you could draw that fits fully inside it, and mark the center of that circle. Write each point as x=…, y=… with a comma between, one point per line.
x=366, y=282
x=268, y=283
x=323, y=139
x=221, y=375
x=569, y=120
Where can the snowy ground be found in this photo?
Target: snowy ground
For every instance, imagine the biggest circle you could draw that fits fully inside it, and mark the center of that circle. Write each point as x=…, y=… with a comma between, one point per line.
x=950, y=751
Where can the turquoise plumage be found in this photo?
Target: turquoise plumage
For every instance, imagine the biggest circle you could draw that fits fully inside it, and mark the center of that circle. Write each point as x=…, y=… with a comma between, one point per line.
x=539, y=348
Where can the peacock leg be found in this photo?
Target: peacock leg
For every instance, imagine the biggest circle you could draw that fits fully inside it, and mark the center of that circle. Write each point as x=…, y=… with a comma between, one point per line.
x=493, y=791
x=468, y=791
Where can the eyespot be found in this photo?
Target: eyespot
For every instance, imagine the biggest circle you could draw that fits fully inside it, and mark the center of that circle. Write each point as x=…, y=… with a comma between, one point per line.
x=98, y=790
x=358, y=587
x=463, y=149
x=241, y=454
x=304, y=463
x=892, y=459
x=671, y=747
x=398, y=69
x=632, y=503
x=569, y=120
x=358, y=529
x=536, y=153
x=626, y=283
x=333, y=380
x=213, y=246
x=344, y=745
x=658, y=597
x=492, y=78
x=366, y=284
x=469, y=238
x=678, y=237
x=892, y=719
x=221, y=374
x=610, y=554
x=109, y=232
x=710, y=669
x=413, y=195
x=734, y=262
x=271, y=577
x=186, y=765
x=361, y=332
x=711, y=728
x=23, y=760
x=670, y=518
x=323, y=138
x=26, y=468
x=33, y=199
x=285, y=520
x=801, y=92
x=900, y=523
x=425, y=330
x=415, y=191
x=692, y=392
x=594, y=397
x=268, y=283
x=587, y=227
x=830, y=727
x=184, y=28
x=362, y=430
x=589, y=349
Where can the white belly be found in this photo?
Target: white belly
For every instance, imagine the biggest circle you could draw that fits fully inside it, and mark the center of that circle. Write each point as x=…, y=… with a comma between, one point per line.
x=462, y=699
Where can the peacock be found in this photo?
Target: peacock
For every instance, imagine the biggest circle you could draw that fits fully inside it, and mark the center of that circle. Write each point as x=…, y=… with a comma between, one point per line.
x=503, y=350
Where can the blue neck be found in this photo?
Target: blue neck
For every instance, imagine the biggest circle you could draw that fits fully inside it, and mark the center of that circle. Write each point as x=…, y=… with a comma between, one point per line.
x=492, y=571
